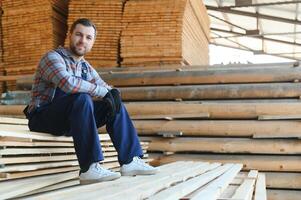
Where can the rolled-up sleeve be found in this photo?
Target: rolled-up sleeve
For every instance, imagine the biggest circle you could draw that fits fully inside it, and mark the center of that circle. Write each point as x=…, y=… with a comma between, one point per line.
x=52, y=68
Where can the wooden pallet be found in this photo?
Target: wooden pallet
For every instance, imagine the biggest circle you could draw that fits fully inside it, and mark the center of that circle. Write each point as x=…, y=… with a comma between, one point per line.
x=179, y=180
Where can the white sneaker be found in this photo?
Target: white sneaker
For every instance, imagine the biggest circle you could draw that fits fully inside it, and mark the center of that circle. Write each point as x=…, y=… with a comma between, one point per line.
x=137, y=167
x=96, y=173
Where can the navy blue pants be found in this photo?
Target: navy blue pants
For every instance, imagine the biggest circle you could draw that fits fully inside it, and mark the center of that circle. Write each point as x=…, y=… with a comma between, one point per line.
x=78, y=116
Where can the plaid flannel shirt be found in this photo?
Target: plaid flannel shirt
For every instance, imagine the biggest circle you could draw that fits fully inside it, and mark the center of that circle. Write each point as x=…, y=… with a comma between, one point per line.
x=58, y=69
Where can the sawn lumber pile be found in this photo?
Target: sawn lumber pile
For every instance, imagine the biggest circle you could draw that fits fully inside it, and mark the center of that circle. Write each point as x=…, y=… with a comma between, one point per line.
x=178, y=180
x=244, y=114
x=39, y=160
x=30, y=29
x=1, y=50
x=130, y=33
x=107, y=17
x=163, y=32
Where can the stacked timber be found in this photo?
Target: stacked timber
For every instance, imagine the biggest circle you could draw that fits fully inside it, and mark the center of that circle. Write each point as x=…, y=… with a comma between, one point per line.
x=41, y=160
x=1, y=50
x=178, y=180
x=107, y=17
x=234, y=114
x=30, y=29
x=164, y=32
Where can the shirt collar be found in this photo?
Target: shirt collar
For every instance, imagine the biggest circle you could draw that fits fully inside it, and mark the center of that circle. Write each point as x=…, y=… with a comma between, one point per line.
x=66, y=52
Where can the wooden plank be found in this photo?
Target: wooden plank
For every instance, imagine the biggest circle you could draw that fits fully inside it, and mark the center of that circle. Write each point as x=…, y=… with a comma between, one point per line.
x=92, y=190
x=278, y=163
x=217, y=109
x=30, y=167
x=38, y=172
x=215, y=188
x=35, y=144
x=31, y=159
x=242, y=128
x=8, y=120
x=221, y=91
x=245, y=190
x=283, y=180
x=173, y=116
x=260, y=190
x=224, y=145
x=283, y=194
x=202, y=76
x=65, y=184
x=16, y=175
x=19, y=131
x=183, y=189
x=156, y=183
x=187, y=75
x=13, y=188
x=278, y=117
x=244, y=109
x=26, y=151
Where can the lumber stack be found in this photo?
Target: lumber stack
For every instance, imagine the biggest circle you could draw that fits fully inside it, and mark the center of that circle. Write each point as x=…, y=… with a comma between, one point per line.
x=164, y=32
x=1, y=50
x=178, y=180
x=238, y=114
x=27, y=157
x=107, y=17
x=30, y=30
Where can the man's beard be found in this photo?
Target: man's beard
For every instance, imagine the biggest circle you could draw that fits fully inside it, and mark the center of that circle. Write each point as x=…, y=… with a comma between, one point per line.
x=75, y=52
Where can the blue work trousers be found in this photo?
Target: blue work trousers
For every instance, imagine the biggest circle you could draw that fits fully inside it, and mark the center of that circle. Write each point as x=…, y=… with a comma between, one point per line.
x=77, y=115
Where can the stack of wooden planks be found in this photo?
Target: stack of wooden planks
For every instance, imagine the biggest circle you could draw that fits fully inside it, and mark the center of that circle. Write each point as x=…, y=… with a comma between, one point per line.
x=164, y=32
x=29, y=155
x=245, y=114
x=107, y=17
x=178, y=180
x=1, y=50
x=30, y=29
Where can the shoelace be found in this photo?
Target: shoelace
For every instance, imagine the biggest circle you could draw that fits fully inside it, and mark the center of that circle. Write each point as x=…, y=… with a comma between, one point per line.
x=101, y=170
x=141, y=162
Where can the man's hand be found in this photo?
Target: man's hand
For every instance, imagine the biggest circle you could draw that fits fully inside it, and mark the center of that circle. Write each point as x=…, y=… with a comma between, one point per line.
x=117, y=99
x=109, y=100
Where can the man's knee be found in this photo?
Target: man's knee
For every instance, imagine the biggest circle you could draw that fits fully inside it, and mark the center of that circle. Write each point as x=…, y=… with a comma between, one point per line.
x=82, y=99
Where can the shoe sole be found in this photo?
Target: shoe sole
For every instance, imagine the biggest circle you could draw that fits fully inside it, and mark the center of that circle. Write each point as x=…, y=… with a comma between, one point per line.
x=139, y=172
x=90, y=181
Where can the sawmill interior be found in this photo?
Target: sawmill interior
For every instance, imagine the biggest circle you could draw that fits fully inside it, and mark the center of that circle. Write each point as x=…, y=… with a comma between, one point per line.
x=214, y=130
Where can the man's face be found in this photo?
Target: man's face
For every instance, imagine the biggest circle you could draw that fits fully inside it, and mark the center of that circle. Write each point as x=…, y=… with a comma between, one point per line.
x=82, y=39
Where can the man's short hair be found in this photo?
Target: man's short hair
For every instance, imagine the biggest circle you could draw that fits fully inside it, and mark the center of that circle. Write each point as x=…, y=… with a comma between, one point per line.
x=84, y=22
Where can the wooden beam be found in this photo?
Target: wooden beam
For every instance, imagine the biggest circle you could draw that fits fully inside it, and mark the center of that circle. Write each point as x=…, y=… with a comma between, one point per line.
x=214, y=189
x=216, y=109
x=258, y=162
x=183, y=189
x=260, y=189
x=17, y=187
x=243, y=128
x=227, y=91
x=278, y=117
x=225, y=145
x=282, y=180
x=172, y=116
x=245, y=190
x=283, y=194
x=204, y=76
